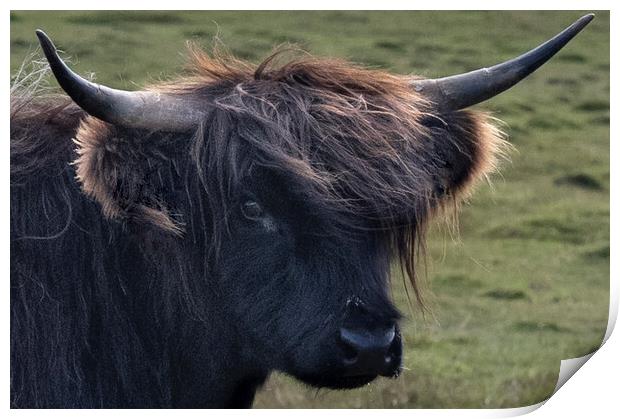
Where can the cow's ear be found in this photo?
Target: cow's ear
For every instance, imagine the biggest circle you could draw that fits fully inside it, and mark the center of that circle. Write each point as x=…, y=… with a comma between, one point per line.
x=119, y=168
x=467, y=146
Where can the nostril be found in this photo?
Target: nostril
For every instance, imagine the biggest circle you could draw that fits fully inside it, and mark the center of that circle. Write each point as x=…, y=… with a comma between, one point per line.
x=393, y=356
x=394, y=350
x=349, y=351
x=390, y=335
x=373, y=351
x=395, y=345
x=350, y=354
x=368, y=351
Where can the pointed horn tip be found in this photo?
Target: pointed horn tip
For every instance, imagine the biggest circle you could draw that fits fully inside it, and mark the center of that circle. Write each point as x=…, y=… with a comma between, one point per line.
x=589, y=16
x=579, y=25
x=42, y=36
x=584, y=20
x=46, y=43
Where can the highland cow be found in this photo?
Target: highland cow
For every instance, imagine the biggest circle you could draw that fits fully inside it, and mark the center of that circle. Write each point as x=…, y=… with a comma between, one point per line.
x=173, y=246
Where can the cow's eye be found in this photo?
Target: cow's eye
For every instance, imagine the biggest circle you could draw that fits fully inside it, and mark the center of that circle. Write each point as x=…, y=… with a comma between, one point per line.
x=251, y=210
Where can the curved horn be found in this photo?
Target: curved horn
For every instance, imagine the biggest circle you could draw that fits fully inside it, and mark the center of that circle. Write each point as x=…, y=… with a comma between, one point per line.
x=464, y=90
x=143, y=109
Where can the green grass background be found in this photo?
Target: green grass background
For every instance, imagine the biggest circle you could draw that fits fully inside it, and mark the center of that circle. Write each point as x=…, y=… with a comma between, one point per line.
x=526, y=282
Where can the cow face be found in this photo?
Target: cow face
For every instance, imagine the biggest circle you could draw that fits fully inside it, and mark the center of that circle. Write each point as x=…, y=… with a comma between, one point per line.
x=310, y=296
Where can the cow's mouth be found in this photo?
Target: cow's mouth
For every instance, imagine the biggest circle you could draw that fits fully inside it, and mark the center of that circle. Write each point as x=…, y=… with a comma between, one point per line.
x=343, y=382
x=338, y=382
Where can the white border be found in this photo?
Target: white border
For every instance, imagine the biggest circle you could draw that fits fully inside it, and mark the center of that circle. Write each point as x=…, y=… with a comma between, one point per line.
x=594, y=389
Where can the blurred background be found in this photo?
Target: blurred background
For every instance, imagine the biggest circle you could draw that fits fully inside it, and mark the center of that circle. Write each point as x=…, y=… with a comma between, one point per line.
x=525, y=282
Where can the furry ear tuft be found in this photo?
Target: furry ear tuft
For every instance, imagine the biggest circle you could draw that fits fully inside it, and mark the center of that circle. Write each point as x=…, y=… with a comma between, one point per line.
x=469, y=145
x=113, y=168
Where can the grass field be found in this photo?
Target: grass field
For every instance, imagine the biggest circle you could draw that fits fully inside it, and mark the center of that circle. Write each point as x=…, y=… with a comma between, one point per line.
x=526, y=282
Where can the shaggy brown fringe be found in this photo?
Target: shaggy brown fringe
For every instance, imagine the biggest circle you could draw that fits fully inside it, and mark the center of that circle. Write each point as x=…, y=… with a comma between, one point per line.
x=361, y=141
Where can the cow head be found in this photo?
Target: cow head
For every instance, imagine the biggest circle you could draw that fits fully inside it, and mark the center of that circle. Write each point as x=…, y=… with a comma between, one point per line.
x=294, y=187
